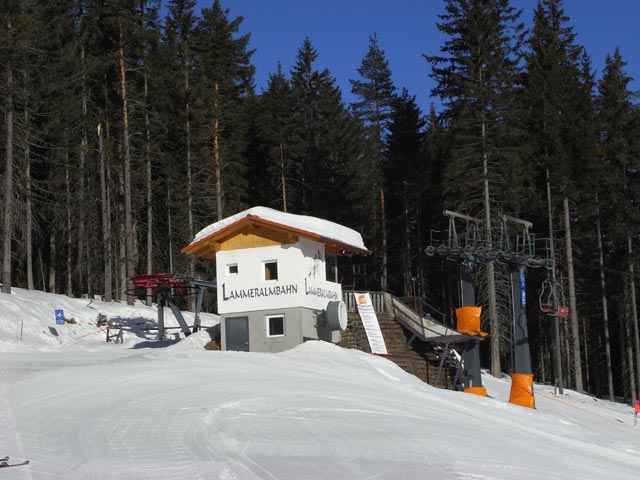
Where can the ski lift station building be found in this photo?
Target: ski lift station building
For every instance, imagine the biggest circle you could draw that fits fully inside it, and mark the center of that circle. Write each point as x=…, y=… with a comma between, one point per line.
x=277, y=278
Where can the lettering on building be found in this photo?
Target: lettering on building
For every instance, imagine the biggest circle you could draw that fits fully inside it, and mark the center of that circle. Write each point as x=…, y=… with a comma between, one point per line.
x=320, y=292
x=258, y=292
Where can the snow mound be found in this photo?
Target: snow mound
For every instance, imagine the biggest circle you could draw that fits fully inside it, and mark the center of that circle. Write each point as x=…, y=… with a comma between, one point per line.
x=28, y=321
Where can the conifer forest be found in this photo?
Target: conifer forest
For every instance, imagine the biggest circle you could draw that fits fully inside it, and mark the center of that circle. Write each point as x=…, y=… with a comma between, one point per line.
x=129, y=125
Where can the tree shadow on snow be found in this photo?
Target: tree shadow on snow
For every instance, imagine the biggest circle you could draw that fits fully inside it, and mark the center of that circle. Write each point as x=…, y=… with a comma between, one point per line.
x=156, y=344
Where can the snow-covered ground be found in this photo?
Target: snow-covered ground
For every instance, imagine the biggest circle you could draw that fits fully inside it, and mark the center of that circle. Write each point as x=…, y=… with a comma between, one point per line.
x=80, y=408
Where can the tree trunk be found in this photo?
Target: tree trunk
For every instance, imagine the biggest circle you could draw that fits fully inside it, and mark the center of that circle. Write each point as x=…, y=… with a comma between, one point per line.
x=192, y=264
x=170, y=231
x=557, y=363
x=283, y=183
x=216, y=153
x=69, y=227
x=147, y=152
x=542, y=353
x=626, y=321
x=496, y=369
x=407, y=270
x=421, y=274
x=7, y=228
x=128, y=258
x=52, y=261
x=627, y=379
x=573, y=304
x=83, y=239
x=187, y=126
x=106, y=220
x=383, y=223
x=28, y=205
x=586, y=355
x=634, y=310
x=605, y=313
x=122, y=257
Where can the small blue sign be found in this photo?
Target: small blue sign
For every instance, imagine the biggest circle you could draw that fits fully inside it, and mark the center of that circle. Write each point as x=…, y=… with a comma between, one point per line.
x=59, y=317
x=523, y=291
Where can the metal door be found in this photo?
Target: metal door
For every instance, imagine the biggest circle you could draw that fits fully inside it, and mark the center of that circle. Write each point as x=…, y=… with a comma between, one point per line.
x=237, y=333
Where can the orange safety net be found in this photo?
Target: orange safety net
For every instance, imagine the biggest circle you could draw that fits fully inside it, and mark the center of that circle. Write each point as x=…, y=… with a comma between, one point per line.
x=522, y=390
x=482, y=391
x=469, y=321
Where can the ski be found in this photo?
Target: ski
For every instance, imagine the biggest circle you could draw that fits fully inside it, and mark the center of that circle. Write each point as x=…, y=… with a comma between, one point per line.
x=6, y=464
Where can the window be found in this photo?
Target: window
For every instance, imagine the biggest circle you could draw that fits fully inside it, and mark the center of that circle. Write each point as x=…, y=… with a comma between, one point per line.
x=232, y=269
x=275, y=326
x=271, y=270
x=331, y=265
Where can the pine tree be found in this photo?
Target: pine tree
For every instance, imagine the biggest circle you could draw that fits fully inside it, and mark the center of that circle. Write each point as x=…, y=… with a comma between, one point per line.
x=225, y=77
x=12, y=37
x=557, y=99
x=323, y=141
x=616, y=177
x=405, y=173
x=376, y=93
x=178, y=41
x=477, y=77
x=305, y=85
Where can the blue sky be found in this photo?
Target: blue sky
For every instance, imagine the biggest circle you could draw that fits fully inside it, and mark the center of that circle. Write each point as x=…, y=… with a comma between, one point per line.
x=406, y=29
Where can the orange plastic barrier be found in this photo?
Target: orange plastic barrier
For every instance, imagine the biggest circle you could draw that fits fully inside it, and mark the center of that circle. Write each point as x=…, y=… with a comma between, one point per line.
x=522, y=390
x=482, y=391
x=469, y=321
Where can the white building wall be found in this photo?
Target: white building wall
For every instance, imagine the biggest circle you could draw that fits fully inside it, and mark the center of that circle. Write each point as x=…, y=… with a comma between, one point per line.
x=301, y=278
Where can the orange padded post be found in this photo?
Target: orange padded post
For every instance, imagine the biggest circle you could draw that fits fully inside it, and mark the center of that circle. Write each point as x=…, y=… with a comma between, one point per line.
x=469, y=321
x=482, y=391
x=522, y=390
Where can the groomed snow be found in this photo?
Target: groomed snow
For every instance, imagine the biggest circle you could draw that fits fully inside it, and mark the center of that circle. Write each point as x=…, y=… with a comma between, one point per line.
x=314, y=225
x=87, y=409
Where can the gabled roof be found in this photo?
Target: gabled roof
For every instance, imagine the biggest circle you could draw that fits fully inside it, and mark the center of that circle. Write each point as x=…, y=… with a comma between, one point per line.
x=339, y=237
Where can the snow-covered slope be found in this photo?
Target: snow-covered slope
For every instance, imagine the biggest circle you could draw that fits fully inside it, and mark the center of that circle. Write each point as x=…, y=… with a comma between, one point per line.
x=27, y=321
x=104, y=411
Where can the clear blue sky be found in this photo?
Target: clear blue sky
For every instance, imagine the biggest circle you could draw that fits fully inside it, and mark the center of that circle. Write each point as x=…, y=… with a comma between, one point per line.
x=406, y=29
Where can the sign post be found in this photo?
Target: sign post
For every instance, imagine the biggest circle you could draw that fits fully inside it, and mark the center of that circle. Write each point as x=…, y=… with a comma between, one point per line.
x=370, y=323
x=59, y=317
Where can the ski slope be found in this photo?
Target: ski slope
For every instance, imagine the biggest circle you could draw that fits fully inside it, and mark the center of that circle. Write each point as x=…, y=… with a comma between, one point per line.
x=87, y=409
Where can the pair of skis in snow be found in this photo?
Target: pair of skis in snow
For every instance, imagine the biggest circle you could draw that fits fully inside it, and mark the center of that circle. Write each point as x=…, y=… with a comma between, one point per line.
x=4, y=463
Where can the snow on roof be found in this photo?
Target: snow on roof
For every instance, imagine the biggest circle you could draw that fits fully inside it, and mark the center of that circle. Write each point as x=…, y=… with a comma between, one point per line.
x=313, y=225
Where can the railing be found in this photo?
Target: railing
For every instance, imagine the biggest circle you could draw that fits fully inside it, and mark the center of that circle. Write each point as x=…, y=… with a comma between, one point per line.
x=377, y=299
x=424, y=309
x=424, y=328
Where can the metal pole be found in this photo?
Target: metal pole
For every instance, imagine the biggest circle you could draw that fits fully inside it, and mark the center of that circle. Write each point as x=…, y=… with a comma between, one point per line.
x=161, y=301
x=472, y=349
x=521, y=355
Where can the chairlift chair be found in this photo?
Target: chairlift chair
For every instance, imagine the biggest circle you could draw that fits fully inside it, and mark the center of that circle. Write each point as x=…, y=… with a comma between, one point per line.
x=546, y=299
x=549, y=299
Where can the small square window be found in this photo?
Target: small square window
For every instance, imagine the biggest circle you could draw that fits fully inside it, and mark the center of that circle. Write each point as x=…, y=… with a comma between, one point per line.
x=232, y=269
x=331, y=265
x=271, y=270
x=275, y=326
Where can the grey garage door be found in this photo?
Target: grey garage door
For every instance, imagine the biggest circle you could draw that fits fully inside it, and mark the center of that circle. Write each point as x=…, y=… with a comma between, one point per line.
x=237, y=333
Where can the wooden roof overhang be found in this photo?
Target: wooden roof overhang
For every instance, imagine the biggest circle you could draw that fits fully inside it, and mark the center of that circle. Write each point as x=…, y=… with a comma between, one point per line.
x=272, y=232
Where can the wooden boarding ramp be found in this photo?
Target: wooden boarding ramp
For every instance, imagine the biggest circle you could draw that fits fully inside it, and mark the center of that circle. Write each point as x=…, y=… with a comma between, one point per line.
x=423, y=326
x=427, y=329
x=413, y=338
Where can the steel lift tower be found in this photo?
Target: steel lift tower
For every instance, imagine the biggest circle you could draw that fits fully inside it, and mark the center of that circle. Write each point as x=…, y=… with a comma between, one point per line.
x=467, y=243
